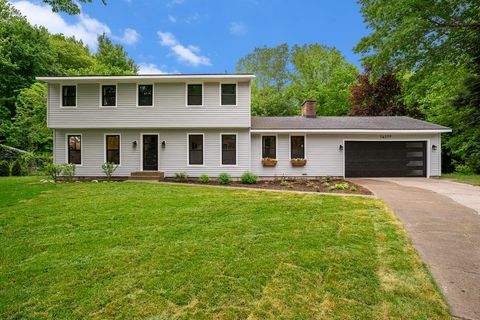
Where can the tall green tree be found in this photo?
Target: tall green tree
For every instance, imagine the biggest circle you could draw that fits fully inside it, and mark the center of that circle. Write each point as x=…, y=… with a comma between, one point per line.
x=322, y=73
x=68, y=6
x=114, y=56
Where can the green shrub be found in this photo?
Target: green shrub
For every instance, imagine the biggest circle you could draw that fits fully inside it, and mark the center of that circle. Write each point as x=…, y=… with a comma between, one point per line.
x=204, y=178
x=68, y=171
x=53, y=170
x=224, y=178
x=36, y=163
x=248, y=178
x=341, y=186
x=109, y=168
x=181, y=175
x=17, y=168
x=463, y=169
x=284, y=182
x=4, y=168
x=353, y=188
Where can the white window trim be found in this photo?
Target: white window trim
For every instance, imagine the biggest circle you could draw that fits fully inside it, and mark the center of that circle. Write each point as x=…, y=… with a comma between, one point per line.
x=276, y=144
x=116, y=95
x=186, y=95
x=153, y=94
x=61, y=96
x=290, y=145
x=67, y=146
x=141, y=148
x=188, y=149
x=387, y=140
x=236, y=149
x=119, y=146
x=220, y=94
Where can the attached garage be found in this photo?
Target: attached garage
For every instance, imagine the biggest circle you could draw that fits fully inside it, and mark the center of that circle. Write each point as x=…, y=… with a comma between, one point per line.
x=385, y=158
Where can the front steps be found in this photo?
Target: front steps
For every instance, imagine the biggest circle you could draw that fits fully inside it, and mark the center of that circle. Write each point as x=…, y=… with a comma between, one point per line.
x=146, y=176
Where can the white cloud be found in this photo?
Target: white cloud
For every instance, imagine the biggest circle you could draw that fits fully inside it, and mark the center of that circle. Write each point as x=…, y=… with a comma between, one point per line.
x=172, y=19
x=149, y=68
x=84, y=28
x=238, y=28
x=187, y=54
x=130, y=36
x=172, y=3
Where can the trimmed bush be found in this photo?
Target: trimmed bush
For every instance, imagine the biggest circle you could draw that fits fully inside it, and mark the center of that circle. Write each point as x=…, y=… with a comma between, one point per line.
x=109, y=168
x=224, y=178
x=4, y=168
x=17, y=168
x=53, y=171
x=463, y=169
x=181, y=175
x=204, y=178
x=68, y=171
x=248, y=178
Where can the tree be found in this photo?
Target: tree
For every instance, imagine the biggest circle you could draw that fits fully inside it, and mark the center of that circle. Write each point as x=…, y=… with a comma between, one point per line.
x=322, y=73
x=114, y=56
x=70, y=54
x=68, y=6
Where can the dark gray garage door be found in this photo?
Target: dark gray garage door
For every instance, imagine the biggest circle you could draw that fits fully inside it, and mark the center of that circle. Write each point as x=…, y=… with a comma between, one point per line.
x=385, y=159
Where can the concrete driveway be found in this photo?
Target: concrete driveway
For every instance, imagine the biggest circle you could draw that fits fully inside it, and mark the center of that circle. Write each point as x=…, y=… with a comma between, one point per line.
x=443, y=220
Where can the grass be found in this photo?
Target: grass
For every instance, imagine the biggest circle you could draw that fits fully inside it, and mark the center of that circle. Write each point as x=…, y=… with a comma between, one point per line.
x=466, y=178
x=134, y=250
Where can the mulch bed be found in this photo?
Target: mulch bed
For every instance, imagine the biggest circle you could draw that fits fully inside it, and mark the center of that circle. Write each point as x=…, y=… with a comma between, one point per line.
x=317, y=185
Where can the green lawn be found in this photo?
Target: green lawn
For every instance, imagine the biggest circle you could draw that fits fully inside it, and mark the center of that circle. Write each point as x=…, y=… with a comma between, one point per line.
x=466, y=178
x=137, y=250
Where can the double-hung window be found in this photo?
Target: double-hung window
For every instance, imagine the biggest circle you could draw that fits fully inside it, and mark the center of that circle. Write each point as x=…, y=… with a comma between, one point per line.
x=112, y=148
x=145, y=95
x=109, y=95
x=229, y=149
x=195, y=149
x=297, y=147
x=194, y=94
x=74, y=149
x=228, y=94
x=269, y=147
x=69, y=96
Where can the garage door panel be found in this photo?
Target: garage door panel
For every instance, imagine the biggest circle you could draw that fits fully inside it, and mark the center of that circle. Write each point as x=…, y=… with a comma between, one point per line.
x=385, y=159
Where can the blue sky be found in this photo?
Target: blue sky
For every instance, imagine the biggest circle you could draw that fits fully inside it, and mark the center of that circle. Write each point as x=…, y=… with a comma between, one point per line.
x=193, y=36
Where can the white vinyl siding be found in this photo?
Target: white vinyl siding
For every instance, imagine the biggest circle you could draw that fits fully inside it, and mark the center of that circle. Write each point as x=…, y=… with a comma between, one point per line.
x=169, y=108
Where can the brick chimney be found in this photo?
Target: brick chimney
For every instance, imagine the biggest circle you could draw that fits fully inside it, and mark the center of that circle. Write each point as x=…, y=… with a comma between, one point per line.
x=309, y=108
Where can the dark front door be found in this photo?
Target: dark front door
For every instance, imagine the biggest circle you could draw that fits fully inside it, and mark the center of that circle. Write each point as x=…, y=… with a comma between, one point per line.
x=150, y=152
x=385, y=159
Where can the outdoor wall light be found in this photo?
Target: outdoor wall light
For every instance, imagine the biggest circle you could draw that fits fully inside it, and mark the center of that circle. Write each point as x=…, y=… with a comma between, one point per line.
x=163, y=144
x=340, y=147
x=434, y=147
x=134, y=144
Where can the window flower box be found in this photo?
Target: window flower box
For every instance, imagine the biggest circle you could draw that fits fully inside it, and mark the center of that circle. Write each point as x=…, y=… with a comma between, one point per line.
x=299, y=162
x=269, y=162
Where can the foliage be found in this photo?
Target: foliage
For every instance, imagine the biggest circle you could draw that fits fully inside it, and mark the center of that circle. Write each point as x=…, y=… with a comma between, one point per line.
x=17, y=168
x=108, y=169
x=4, y=168
x=285, y=78
x=181, y=175
x=463, y=169
x=10, y=153
x=114, y=56
x=248, y=178
x=53, y=170
x=34, y=163
x=68, y=6
x=353, y=188
x=204, y=178
x=284, y=182
x=341, y=186
x=193, y=234
x=376, y=97
x=224, y=178
x=68, y=171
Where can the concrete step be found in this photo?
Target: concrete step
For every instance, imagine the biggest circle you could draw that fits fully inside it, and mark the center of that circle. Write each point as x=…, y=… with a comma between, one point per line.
x=146, y=174
x=143, y=178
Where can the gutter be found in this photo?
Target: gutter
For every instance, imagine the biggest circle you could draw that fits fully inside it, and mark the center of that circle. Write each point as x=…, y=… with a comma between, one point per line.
x=404, y=131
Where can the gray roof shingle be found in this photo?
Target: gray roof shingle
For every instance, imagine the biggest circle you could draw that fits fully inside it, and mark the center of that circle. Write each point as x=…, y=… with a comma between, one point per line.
x=347, y=123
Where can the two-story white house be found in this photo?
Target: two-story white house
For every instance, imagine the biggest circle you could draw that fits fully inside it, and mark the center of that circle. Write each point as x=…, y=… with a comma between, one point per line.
x=201, y=124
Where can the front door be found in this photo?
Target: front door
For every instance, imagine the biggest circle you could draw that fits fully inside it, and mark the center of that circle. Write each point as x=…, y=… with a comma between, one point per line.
x=150, y=152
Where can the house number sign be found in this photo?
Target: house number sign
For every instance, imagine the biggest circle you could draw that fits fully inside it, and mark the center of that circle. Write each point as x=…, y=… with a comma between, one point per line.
x=385, y=136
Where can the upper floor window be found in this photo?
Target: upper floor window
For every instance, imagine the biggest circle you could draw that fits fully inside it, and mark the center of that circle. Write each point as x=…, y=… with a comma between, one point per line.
x=74, y=149
x=112, y=146
x=269, y=147
x=229, y=149
x=194, y=95
x=229, y=94
x=109, y=95
x=145, y=95
x=297, y=147
x=69, y=96
x=195, y=149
